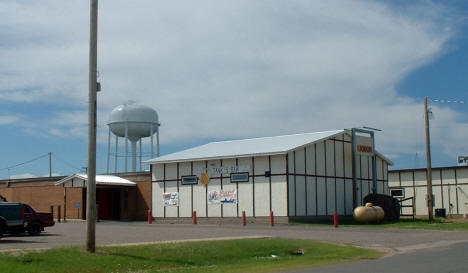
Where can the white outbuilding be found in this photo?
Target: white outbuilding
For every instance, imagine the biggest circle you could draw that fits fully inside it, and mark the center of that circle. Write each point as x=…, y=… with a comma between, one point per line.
x=449, y=189
x=301, y=176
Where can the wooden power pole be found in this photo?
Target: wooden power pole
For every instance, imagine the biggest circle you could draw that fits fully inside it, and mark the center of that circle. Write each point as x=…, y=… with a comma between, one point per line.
x=92, y=105
x=430, y=201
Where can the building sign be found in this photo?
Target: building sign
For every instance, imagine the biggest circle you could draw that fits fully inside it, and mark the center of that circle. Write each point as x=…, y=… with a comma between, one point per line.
x=205, y=179
x=364, y=146
x=225, y=170
x=463, y=160
x=222, y=197
x=171, y=199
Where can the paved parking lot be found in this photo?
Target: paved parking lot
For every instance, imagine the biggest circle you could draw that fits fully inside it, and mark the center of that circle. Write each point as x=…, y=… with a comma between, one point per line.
x=108, y=232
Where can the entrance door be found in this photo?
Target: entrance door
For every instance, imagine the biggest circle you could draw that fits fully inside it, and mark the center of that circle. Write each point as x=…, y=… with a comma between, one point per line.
x=104, y=197
x=116, y=204
x=109, y=203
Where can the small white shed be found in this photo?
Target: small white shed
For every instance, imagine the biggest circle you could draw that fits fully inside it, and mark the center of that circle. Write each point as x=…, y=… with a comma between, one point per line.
x=296, y=176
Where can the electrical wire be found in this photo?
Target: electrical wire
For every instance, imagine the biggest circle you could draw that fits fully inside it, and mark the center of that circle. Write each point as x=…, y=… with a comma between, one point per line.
x=24, y=163
x=66, y=162
x=449, y=101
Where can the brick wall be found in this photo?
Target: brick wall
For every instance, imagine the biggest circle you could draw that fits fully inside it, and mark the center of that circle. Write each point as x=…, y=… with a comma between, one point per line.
x=142, y=195
x=41, y=193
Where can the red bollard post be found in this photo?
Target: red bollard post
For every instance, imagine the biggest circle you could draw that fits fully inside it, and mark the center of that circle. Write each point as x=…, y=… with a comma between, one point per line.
x=272, y=219
x=194, y=217
x=150, y=217
x=244, y=221
x=335, y=219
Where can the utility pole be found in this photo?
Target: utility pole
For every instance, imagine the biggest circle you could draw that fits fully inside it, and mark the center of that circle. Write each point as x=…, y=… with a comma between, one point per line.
x=50, y=164
x=430, y=203
x=92, y=117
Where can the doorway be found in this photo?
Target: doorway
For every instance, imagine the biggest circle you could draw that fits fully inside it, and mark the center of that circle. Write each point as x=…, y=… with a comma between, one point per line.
x=108, y=200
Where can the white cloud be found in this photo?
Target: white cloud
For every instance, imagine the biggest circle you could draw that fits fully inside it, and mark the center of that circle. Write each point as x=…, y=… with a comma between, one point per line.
x=8, y=119
x=22, y=176
x=231, y=69
x=53, y=174
x=57, y=132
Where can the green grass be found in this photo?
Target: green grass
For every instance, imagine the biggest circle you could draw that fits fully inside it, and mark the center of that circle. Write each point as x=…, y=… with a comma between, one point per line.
x=437, y=224
x=246, y=255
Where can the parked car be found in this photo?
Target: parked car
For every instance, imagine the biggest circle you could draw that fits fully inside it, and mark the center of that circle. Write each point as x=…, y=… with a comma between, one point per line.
x=12, y=217
x=34, y=222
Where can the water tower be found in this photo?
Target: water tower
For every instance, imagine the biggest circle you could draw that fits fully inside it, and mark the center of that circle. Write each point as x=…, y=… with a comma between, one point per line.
x=132, y=121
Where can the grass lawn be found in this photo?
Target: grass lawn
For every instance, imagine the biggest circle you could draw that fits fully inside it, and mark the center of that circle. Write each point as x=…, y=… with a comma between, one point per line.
x=437, y=224
x=246, y=255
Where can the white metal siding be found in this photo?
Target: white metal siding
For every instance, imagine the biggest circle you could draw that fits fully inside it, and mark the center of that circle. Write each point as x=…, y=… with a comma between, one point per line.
x=158, y=208
x=185, y=192
x=199, y=192
x=245, y=194
x=262, y=187
x=348, y=173
x=319, y=182
x=278, y=186
x=448, y=187
x=229, y=210
x=214, y=210
x=311, y=181
x=300, y=185
x=462, y=190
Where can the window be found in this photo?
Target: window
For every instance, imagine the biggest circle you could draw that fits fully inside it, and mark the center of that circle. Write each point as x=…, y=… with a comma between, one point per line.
x=399, y=193
x=239, y=177
x=28, y=209
x=189, y=180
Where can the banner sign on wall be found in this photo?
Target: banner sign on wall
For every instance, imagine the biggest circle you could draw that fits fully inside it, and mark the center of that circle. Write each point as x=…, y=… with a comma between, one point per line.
x=225, y=170
x=222, y=197
x=171, y=199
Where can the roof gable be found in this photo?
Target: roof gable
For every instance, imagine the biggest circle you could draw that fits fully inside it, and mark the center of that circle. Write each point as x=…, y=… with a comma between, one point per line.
x=110, y=180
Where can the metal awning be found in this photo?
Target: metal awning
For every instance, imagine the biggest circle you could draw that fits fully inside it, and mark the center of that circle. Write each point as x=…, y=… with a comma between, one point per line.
x=79, y=181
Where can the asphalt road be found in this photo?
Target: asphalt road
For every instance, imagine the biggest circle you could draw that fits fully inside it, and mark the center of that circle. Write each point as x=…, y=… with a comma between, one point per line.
x=420, y=250
x=444, y=259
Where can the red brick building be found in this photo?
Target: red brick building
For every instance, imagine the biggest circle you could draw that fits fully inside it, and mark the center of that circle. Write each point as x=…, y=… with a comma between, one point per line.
x=115, y=202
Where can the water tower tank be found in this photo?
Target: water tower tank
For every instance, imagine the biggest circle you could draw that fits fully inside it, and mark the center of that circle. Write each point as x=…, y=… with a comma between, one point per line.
x=139, y=119
x=134, y=121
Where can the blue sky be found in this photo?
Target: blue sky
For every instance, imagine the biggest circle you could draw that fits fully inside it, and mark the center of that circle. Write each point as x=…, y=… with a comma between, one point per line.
x=217, y=71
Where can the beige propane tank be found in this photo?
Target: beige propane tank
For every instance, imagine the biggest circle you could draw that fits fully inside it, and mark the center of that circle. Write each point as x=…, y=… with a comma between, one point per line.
x=368, y=213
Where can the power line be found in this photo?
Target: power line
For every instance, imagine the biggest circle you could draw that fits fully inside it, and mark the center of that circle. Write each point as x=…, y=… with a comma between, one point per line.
x=449, y=101
x=24, y=163
x=66, y=162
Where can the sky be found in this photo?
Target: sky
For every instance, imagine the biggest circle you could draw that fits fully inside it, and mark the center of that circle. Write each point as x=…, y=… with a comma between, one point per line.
x=219, y=70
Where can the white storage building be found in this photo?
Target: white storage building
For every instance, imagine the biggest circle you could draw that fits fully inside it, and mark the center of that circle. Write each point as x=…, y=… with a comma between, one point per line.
x=449, y=187
x=296, y=176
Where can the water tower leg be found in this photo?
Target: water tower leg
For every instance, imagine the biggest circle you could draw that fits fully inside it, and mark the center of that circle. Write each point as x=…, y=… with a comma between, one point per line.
x=134, y=143
x=108, y=150
x=126, y=147
x=116, y=152
x=152, y=142
x=140, y=154
x=157, y=141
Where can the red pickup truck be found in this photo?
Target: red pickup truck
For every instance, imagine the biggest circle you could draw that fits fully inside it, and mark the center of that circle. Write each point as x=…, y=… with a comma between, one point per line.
x=34, y=221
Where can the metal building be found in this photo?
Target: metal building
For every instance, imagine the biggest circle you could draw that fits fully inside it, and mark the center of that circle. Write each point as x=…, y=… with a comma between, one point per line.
x=449, y=187
x=295, y=176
